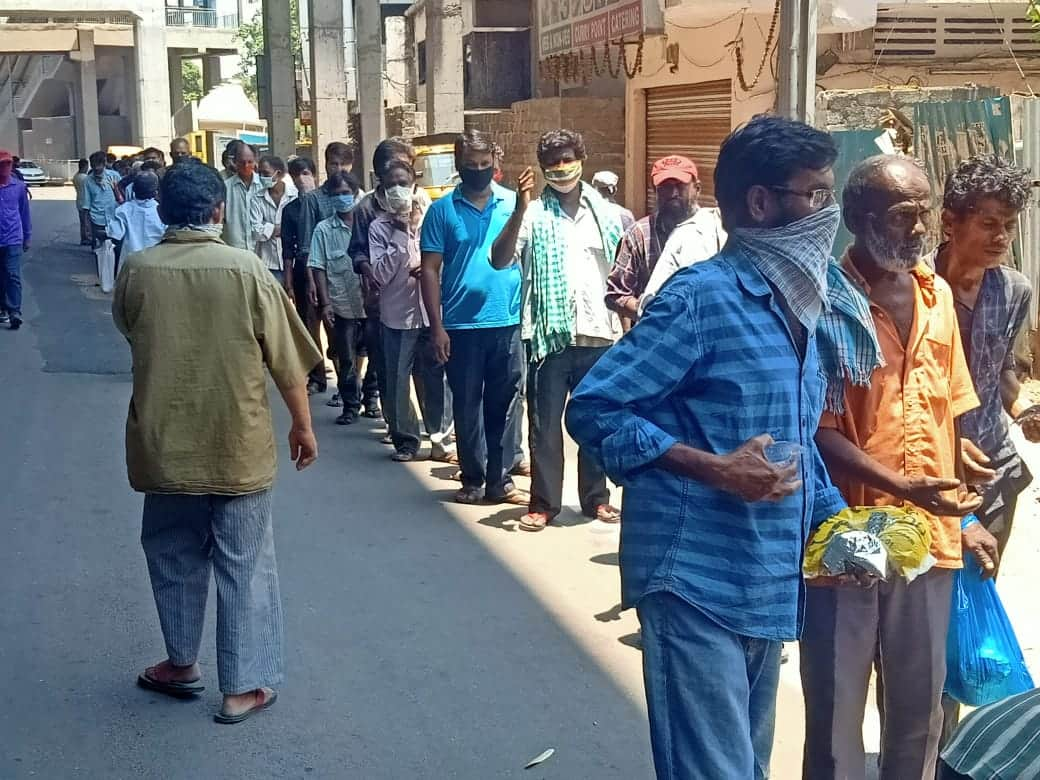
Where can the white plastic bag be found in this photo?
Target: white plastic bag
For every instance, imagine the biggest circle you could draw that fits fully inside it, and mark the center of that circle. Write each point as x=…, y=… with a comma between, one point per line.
x=106, y=265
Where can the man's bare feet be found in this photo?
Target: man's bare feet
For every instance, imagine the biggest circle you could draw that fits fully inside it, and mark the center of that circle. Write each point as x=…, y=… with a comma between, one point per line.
x=167, y=672
x=238, y=707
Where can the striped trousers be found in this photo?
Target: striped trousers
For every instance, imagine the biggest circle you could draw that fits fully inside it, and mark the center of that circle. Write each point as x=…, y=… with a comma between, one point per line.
x=185, y=537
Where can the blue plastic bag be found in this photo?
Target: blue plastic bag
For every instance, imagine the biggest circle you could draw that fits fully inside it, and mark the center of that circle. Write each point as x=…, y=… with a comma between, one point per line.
x=984, y=662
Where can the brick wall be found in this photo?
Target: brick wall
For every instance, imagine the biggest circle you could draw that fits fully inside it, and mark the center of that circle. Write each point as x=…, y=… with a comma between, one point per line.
x=405, y=120
x=600, y=120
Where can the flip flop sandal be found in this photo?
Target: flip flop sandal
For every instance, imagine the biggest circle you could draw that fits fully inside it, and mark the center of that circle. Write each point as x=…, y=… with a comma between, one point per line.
x=605, y=513
x=534, y=521
x=178, y=690
x=450, y=458
x=470, y=496
x=403, y=456
x=515, y=497
x=220, y=717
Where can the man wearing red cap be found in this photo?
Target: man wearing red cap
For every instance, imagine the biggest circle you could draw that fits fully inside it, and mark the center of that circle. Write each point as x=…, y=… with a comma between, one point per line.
x=697, y=237
x=678, y=186
x=15, y=232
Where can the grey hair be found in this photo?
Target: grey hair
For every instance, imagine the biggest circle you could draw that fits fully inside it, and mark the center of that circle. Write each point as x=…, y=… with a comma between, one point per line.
x=986, y=176
x=865, y=184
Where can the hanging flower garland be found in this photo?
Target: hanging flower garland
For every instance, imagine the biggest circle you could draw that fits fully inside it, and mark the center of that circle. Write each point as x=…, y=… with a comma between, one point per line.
x=586, y=63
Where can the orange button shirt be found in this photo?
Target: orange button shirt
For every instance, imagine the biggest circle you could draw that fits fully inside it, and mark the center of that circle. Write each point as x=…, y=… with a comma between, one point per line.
x=905, y=418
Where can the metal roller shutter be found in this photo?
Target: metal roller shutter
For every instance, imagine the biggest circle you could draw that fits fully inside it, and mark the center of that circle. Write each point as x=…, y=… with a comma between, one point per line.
x=691, y=120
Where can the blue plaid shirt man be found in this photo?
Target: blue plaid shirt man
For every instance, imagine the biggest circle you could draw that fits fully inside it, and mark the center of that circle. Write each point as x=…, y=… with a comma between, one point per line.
x=711, y=365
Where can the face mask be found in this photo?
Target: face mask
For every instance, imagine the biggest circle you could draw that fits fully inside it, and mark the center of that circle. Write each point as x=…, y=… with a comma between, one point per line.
x=476, y=179
x=399, y=199
x=305, y=182
x=342, y=203
x=567, y=175
x=267, y=182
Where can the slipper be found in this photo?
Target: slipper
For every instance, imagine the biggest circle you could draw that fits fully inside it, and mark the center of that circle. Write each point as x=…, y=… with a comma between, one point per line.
x=516, y=497
x=220, y=717
x=451, y=458
x=178, y=690
x=521, y=469
x=404, y=456
x=605, y=513
x=534, y=521
x=469, y=496
x=373, y=413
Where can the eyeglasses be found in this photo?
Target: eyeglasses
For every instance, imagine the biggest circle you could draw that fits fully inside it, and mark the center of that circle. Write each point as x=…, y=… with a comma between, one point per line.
x=817, y=198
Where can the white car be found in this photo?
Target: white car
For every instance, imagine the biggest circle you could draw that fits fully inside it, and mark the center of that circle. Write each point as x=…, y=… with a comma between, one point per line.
x=32, y=173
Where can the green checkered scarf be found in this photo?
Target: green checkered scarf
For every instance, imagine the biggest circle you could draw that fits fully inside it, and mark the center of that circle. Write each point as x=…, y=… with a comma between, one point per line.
x=552, y=315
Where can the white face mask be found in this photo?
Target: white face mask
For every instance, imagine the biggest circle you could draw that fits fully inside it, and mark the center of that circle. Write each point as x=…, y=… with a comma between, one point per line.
x=566, y=187
x=399, y=198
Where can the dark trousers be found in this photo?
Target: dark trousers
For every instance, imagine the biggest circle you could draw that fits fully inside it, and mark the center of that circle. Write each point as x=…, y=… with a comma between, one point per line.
x=84, y=225
x=346, y=336
x=374, y=385
x=100, y=236
x=484, y=373
x=11, y=279
x=549, y=384
x=309, y=314
x=408, y=357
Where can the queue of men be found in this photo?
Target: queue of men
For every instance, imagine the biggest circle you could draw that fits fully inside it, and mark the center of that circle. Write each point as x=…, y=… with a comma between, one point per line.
x=676, y=350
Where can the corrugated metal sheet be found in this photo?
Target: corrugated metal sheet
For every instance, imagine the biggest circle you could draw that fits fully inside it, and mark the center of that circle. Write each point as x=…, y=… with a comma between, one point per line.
x=1028, y=156
x=691, y=120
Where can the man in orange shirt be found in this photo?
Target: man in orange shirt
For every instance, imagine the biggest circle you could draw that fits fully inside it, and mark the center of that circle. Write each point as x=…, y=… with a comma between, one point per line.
x=894, y=442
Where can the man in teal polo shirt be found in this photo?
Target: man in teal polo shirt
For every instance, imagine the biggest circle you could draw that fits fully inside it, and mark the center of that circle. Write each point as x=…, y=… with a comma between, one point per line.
x=474, y=313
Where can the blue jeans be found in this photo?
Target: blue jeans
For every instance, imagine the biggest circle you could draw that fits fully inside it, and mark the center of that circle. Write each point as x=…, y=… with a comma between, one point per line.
x=711, y=694
x=11, y=279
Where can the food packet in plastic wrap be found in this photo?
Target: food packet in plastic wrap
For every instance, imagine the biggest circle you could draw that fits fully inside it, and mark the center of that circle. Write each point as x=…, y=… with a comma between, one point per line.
x=877, y=540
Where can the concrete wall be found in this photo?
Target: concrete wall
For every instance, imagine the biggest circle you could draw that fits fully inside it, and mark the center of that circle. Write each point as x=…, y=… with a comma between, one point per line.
x=600, y=121
x=705, y=55
x=51, y=138
x=115, y=131
x=493, y=68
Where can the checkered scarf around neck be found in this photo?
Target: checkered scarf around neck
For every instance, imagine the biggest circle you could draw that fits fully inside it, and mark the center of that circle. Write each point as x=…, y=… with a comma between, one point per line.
x=846, y=338
x=552, y=316
x=794, y=259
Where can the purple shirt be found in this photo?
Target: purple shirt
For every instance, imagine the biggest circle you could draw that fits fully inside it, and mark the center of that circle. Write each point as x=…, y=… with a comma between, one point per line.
x=394, y=254
x=15, y=223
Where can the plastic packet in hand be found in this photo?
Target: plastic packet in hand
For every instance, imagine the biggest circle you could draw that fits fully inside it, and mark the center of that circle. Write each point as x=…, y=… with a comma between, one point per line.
x=851, y=552
x=874, y=540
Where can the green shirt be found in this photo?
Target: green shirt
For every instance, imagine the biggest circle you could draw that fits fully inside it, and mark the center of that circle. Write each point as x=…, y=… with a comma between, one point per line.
x=206, y=323
x=238, y=205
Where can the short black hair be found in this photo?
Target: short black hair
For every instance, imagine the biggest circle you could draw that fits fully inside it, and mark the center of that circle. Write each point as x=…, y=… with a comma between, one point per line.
x=340, y=151
x=299, y=165
x=767, y=151
x=151, y=165
x=177, y=141
x=388, y=149
x=987, y=176
x=474, y=141
x=109, y=158
x=555, y=140
x=274, y=162
x=146, y=184
x=98, y=158
x=189, y=194
x=338, y=179
x=399, y=165
x=83, y=163
x=152, y=150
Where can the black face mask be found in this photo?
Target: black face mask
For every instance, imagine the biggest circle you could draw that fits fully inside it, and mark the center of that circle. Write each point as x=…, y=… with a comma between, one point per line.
x=476, y=179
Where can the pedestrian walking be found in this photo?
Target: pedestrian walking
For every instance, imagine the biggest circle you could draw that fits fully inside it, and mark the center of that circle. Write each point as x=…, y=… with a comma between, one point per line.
x=15, y=236
x=242, y=189
x=394, y=254
x=474, y=313
x=680, y=413
x=677, y=186
x=340, y=300
x=566, y=241
x=136, y=223
x=892, y=441
x=79, y=181
x=200, y=442
x=267, y=210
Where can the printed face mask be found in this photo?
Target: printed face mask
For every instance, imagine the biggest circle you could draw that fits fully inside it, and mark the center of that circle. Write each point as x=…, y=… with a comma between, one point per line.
x=399, y=198
x=564, y=173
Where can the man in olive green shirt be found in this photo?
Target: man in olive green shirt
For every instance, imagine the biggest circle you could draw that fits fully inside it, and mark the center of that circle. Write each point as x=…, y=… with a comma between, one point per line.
x=206, y=324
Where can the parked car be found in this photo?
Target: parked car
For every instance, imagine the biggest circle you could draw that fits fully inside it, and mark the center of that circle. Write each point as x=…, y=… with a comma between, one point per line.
x=32, y=173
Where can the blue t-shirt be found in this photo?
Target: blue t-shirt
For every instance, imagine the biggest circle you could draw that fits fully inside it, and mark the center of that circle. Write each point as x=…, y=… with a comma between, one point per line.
x=473, y=293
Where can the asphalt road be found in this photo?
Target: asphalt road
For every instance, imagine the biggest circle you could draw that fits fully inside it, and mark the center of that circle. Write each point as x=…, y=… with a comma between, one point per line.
x=423, y=640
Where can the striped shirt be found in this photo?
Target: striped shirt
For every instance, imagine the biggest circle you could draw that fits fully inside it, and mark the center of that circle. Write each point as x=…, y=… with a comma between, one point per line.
x=999, y=742
x=711, y=364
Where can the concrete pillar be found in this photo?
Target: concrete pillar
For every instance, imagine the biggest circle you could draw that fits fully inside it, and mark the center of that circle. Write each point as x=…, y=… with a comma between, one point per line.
x=396, y=81
x=131, y=105
x=152, y=77
x=211, y=75
x=445, y=102
x=368, y=28
x=88, y=123
x=330, y=111
x=175, y=64
x=280, y=78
